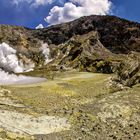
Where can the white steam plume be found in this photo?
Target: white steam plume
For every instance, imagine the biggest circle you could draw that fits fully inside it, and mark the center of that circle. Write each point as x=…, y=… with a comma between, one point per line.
x=46, y=52
x=6, y=79
x=9, y=60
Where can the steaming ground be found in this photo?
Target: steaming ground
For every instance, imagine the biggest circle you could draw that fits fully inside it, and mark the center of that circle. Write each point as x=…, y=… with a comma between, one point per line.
x=6, y=79
x=11, y=63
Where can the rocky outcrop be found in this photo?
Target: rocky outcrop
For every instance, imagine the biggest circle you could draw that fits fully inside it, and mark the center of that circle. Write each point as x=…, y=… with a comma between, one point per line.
x=85, y=53
x=128, y=72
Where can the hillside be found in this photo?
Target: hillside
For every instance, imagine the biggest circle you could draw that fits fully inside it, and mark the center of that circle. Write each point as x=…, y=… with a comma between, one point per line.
x=83, y=81
x=94, y=44
x=116, y=34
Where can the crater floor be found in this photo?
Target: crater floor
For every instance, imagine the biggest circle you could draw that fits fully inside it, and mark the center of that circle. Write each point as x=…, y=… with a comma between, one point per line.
x=74, y=105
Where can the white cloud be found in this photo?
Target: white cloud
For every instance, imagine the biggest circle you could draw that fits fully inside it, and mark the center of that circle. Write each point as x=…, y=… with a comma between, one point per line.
x=17, y=2
x=77, y=8
x=34, y=3
x=41, y=2
x=40, y=26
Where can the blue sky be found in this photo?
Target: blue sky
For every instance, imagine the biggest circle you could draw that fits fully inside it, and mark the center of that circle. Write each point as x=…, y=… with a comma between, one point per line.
x=30, y=13
x=129, y=9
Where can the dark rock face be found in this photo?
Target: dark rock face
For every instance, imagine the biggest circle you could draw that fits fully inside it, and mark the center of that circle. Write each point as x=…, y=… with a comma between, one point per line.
x=117, y=35
x=84, y=52
x=129, y=71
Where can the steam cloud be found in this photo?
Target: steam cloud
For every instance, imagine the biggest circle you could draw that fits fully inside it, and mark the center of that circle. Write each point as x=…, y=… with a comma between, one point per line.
x=46, y=51
x=9, y=62
x=6, y=79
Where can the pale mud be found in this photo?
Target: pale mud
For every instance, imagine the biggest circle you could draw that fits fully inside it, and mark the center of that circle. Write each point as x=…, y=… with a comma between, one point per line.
x=24, y=123
x=9, y=102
